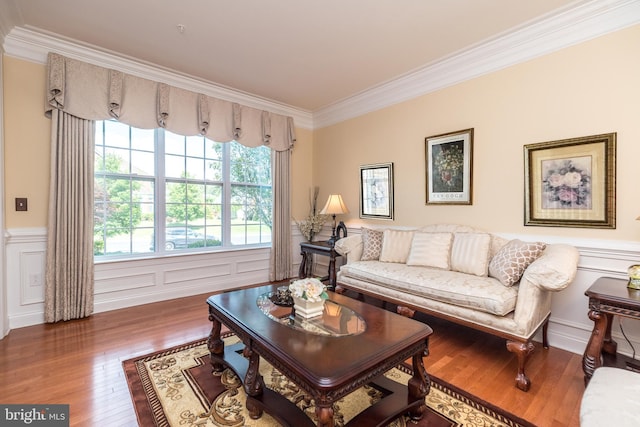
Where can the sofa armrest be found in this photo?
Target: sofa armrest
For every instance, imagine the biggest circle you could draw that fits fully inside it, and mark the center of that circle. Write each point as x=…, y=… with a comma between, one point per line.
x=555, y=269
x=350, y=247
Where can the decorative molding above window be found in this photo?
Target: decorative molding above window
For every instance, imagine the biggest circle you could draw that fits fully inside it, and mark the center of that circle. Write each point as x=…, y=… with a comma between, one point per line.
x=579, y=22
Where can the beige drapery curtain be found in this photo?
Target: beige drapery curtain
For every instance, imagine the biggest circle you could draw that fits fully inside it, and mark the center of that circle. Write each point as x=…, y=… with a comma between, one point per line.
x=69, y=281
x=281, y=261
x=90, y=92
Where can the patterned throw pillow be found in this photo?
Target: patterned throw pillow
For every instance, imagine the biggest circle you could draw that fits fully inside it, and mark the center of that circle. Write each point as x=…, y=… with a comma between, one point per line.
x=470, y=253
x=372, y=244
x=396, y=245
x=431, y=250
x=513, y=259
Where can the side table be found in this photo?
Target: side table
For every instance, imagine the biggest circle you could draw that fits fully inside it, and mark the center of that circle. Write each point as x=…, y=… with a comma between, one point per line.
x=608, y=296
x=307, y=249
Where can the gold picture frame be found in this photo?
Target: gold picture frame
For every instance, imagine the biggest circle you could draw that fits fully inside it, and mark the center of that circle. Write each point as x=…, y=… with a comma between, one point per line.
x=449, y=168
x=571, y=182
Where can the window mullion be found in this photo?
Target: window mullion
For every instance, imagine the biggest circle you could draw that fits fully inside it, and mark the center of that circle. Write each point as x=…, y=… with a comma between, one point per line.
x=226, y=194
x=160, y=189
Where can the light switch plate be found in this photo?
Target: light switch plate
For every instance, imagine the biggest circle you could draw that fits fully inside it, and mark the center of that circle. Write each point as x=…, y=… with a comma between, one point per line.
x=21, y=203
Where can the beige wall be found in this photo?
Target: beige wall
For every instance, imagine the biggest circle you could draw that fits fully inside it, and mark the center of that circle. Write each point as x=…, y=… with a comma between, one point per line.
x=588, y=89
x=301, y=173
x=26, y=149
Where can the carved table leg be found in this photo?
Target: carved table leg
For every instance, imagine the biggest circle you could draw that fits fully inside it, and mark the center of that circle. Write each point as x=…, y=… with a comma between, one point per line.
x=215, y=345
x=609, y=345
x=332, y=273
x=324, y=412
x=522, y=350
x=419, y=386
x=253, y=382
x=306, y=265
x=592, y=357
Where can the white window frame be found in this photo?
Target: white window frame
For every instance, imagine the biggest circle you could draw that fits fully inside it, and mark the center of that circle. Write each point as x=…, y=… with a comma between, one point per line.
x=159, y=225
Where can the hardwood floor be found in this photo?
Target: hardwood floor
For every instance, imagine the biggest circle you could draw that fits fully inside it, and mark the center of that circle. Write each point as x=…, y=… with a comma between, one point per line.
x=80, y=363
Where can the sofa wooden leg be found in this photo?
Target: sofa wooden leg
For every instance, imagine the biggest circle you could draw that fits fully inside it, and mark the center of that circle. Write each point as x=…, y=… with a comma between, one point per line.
x=545, y=339
x=405, y=311
x=522, y=350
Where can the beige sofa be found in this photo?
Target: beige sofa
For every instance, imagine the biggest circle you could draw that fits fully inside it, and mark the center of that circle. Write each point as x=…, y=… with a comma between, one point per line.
x=464, y=275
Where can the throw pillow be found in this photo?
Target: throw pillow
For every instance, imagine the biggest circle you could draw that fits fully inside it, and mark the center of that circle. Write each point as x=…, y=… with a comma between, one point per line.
x=431, y=250
x=371, y=244
x=396, y=245
x=513, y=259
x=470, y=253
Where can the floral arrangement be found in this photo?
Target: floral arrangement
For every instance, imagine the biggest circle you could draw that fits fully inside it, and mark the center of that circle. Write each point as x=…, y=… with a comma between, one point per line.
x=312, y=225
x=311, y=289
x=567, y=184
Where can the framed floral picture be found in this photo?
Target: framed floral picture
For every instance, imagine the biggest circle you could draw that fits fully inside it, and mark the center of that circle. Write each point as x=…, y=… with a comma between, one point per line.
x=571, y=182
x=449, y=160
x=376, y=191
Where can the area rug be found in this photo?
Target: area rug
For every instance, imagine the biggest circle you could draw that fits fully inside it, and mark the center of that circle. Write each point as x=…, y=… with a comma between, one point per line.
x=175, y=387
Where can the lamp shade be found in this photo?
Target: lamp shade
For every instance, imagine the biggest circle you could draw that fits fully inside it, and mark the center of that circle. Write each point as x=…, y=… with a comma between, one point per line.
x=334, y=206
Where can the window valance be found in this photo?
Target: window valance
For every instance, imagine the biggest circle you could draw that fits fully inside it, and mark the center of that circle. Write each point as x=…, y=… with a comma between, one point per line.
x=96, y=93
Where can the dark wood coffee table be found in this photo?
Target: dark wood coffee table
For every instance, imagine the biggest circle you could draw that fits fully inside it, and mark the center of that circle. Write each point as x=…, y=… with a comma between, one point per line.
x=327, y=367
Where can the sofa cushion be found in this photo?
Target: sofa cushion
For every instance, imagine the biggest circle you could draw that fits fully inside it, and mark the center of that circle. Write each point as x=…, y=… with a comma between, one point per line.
x=372, y=244
x=470, y=253
x=485, y=294
x=430, y=250
x=513, y=259
x=396, y=245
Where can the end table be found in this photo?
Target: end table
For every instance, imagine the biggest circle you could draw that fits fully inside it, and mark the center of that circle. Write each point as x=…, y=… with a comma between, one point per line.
x=608, y=297
x=307, y=249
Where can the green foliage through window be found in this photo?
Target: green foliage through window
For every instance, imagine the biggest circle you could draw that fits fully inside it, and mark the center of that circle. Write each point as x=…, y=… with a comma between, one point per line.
x=213, y=194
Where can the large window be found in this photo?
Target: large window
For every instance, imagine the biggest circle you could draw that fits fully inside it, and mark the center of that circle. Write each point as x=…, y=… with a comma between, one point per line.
x=157, y=192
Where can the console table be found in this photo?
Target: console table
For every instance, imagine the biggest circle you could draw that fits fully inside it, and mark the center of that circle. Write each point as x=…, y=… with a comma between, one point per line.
x=307, y=249
x=608, y=297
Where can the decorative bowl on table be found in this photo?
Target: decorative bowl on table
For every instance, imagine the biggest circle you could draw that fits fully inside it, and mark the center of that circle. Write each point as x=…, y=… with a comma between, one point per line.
x=282, y=296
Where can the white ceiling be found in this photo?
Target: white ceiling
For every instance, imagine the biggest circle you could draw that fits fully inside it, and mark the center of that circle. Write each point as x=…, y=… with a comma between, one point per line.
x=300, y=53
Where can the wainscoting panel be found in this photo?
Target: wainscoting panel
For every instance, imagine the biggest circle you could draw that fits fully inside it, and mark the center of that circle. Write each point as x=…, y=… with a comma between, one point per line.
x=111, y=284
x=25, y=271
x=120, y=284
x=32, y=267
x=186, y=273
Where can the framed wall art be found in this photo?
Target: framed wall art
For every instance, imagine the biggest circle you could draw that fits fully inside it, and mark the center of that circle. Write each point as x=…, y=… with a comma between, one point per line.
x=571, y=182
x=449, y=160
x=376, y=191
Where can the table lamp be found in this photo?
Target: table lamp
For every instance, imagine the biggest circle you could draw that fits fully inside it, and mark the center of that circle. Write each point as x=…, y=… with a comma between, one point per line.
x=335, y=206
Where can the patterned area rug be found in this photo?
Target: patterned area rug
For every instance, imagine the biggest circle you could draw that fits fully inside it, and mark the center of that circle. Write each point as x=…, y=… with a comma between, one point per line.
x=175, y=387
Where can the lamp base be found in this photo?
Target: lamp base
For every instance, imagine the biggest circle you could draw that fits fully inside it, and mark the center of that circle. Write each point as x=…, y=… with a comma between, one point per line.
x=332, y=240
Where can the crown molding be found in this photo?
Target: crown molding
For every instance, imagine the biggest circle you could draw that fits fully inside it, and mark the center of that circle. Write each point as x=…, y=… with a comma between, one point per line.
x=570, y=26
x=575, y=24
x=33, y=45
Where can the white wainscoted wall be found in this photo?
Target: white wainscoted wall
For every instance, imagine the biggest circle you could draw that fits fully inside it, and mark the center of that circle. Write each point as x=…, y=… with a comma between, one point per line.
x=129, y=283
x=120, y=284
